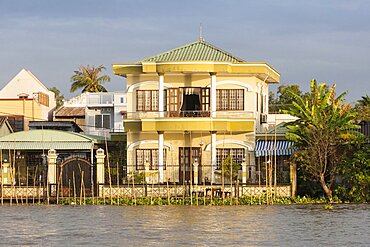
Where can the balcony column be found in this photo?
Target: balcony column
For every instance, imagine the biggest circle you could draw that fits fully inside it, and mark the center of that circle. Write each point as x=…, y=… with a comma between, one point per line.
x=213, y=155
x=161, y=95
x=213, y=94
x=160, y=156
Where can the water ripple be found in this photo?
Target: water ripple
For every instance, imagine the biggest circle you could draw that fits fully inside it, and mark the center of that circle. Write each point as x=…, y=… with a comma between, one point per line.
x=291, y=225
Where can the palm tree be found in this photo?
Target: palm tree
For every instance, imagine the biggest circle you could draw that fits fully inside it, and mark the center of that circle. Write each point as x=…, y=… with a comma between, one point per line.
x=324, y=127
x=89, y=79
x=362, y=108
x=364, y=101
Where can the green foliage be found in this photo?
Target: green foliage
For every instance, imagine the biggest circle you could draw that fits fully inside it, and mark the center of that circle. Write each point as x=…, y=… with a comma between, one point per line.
x=324, y=128
x=306, y=186
x=283, y=98
x=59, y=97
x=138, y=176
x=88, y=78
x=230, y=168
x=362, y=108
x=147, y=201
x=355, y=172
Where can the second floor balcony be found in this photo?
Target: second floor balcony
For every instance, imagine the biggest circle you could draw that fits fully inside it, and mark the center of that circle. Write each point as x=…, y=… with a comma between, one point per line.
x=190, y=121
x=190, y=114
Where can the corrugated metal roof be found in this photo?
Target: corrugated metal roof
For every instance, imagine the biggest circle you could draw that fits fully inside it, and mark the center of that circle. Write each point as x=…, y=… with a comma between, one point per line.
x=46, y=145
x=70, y=112
x=265, y=148
x=46, y=139
x=196, y=51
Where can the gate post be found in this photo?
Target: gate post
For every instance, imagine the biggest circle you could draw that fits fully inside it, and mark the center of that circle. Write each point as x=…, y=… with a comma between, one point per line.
x=52, y=170
x=244, y=172
x=100, y=156
x=196, y=165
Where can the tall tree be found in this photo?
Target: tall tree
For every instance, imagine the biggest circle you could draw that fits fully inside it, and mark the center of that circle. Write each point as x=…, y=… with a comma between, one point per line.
x=283, y=98
x=362, y=108
x=88, y=78
x=364, y=101
x=59, y=97
x=325, y=125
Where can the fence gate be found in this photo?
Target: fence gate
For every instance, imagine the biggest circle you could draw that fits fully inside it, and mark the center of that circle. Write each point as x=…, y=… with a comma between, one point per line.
x=75, y=178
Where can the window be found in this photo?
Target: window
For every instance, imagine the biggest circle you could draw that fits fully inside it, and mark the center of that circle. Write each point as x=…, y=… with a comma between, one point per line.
x=17, y=123
x=102, y=121
x=151, y=156
x=147, y=100
x=43, y=99
x=237, y=155
x=230, y=99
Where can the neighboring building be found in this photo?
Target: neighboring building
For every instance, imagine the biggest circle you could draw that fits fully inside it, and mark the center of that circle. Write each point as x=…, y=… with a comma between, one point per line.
x=55, y=125
x=26, y=99
x=192, y=107
x=28, y=152
x=71, y=114
x=5, y=127
x=365, y=130
x=96, y=113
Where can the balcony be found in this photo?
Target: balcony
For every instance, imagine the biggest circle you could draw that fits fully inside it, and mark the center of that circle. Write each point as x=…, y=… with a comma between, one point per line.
x=190, y=121
x=190, y=114
x=99, y=99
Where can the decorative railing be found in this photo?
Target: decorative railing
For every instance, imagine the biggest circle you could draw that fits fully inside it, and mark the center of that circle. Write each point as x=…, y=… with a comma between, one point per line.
x=190, y=114
x=163, y=191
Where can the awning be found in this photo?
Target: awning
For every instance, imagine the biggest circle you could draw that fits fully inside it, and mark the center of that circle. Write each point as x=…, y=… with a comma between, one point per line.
x=266, y=148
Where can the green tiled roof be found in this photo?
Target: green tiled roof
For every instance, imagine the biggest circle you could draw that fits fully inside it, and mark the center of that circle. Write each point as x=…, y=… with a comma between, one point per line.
x=46, y=139
x=196, y=51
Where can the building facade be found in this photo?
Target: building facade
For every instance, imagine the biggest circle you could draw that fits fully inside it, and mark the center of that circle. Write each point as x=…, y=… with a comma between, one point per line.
x=24, y=98
x=190, y=108
x=96, y=113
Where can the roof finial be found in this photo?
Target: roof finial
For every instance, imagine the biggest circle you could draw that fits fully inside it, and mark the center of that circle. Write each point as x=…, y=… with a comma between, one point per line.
x=201, y=33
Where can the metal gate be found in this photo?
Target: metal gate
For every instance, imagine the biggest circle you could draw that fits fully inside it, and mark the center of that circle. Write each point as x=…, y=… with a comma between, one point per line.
x=75, y=177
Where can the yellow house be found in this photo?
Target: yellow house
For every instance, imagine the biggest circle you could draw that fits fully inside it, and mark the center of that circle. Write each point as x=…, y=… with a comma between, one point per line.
x=24, y=98
x=189, y=108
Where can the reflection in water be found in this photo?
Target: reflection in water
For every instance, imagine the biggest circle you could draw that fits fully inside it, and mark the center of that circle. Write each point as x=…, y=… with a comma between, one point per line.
x=292, y=225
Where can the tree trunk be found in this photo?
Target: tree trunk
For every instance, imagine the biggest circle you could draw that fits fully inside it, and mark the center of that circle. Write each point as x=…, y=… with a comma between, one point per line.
x=328, y=192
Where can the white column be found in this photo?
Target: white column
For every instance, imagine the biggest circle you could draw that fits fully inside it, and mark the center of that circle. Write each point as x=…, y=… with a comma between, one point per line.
x=100, y=160
x=160, y=156
x=244, y=172
x=213, y=155
x=195, y=168
x=213, y=94
x=52, y=166
x=161, y=95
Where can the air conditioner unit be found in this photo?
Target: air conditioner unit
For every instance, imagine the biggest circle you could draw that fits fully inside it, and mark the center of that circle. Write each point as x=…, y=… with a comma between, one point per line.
x=263, y=118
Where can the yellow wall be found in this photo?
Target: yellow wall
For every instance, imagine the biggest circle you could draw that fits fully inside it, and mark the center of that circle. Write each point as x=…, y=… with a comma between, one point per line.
x=179, y=140
x=199, y=80
x=31, y=110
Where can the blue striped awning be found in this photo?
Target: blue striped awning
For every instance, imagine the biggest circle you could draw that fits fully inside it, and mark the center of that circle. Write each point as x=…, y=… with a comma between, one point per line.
x=266, y=148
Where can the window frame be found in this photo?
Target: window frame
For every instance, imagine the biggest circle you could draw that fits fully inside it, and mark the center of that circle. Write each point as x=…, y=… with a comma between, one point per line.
x=101, y=115
x=222, y=153
x=153, y=156
x=153, y=95
x=230, y=99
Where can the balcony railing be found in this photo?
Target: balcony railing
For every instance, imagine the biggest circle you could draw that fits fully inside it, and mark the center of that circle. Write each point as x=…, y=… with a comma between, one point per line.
x=190, y=114
x=99, y=99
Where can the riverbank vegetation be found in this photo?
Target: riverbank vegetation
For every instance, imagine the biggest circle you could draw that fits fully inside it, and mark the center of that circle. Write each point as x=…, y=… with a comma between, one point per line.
x=333, y=157
x=200, y=201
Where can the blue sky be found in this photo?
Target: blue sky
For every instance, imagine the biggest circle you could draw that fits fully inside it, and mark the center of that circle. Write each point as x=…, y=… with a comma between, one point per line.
x=328, y=40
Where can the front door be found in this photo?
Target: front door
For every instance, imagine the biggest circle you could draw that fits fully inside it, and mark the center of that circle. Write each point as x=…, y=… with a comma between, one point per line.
x=187, y=157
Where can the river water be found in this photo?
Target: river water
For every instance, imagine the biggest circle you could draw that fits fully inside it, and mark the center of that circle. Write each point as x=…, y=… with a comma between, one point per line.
x=278, y=225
